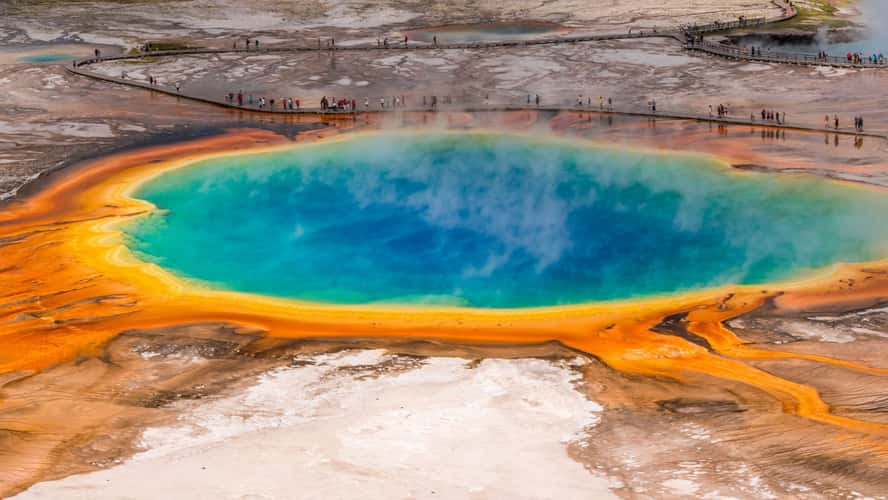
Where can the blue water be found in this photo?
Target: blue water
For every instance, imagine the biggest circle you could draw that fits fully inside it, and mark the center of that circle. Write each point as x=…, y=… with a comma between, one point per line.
x=872, y=36
x=43, y=58
x=484, y=32
x=875, y=36
x=493, y=221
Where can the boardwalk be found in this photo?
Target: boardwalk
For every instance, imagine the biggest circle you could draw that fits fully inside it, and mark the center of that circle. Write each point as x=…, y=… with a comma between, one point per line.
x=767, y=56
x=682, y=34
x=634, y=111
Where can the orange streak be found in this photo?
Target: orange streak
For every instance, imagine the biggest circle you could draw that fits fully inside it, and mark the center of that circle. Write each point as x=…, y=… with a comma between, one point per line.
x=68, y=285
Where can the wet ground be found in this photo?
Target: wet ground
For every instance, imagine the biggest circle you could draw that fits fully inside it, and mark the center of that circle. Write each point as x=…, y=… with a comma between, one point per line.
x=698, y=436
x=47, y=114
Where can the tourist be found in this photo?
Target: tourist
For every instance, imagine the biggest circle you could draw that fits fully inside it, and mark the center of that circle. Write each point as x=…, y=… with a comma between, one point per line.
x=382, y=102
x=837, y=121
x=710, y=111
x=538, y=100
x=240, y=98
x=178, y=86
x=610, y=104
x=826, y=121
x=435, y=40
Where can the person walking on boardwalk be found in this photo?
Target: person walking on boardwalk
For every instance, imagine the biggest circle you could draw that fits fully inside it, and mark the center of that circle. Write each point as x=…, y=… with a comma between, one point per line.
x=836, y=120
x=240, y=98
x=538, y=100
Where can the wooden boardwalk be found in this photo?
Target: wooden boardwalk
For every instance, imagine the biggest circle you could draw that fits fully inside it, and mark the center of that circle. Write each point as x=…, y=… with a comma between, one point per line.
x=682, y=34
x=473, y=108
x=801, y=59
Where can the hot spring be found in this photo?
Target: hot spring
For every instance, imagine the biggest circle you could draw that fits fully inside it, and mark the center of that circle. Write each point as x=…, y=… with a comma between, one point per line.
x=485, y=32
x=47, y=58
x=493, y=220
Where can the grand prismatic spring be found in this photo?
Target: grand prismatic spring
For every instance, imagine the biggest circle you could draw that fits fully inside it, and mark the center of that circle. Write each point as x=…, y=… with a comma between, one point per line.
x=493, y=221
x=397, y=250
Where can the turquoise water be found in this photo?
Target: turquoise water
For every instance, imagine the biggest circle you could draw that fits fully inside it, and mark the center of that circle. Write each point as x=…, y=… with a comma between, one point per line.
x=493, y=221
x=484, y=32
x=43, y=58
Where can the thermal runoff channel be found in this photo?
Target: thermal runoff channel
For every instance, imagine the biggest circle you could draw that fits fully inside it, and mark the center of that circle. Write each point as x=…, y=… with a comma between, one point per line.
x=491, y=220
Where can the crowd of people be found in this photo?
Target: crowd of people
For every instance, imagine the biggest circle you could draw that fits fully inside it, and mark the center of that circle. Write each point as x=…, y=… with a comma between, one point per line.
x=242, y=99
x=858, y=123
x=341, y=104
x=769, y=115
x=859, y=58
x=603, y=104
x=722, y=111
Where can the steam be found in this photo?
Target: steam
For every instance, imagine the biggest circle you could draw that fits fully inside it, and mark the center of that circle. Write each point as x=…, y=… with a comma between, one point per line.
x=447, y=215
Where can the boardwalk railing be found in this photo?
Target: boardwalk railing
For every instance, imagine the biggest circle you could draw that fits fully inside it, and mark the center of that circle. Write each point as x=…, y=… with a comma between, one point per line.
x=467, y=104
x=788, y=10
x=652, y=33
x=769, y=56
